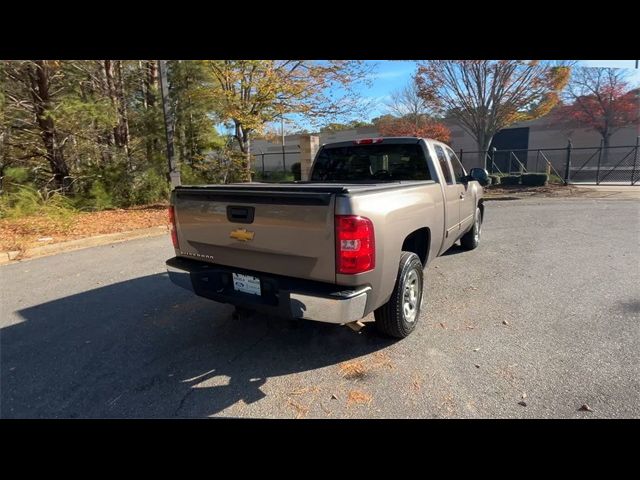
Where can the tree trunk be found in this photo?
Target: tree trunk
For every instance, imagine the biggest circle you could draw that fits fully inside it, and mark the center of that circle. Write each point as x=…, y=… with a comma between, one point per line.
x=116, y=93
x=606, y=142
x=122, y=112
x=483, y=141
x=149, y=74
x=151, y=82
x=39, y=82
x=244, y=141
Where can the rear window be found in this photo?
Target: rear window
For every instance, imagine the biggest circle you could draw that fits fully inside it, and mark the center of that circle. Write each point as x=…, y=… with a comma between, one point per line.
x=371, y=163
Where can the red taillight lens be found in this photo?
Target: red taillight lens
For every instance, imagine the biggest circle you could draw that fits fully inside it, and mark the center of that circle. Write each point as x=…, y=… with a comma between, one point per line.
x=172, y=227
x=355, y=244
x=367, y=141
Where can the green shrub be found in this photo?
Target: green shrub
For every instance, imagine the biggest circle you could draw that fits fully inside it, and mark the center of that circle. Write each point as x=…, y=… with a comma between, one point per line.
x=296, y=170
x=276, y=177
x=27, y=201
x=150, y=187
x=16, y=175
x=99, y=197
x=535, y=179
x=510, y=180
x=495, y=179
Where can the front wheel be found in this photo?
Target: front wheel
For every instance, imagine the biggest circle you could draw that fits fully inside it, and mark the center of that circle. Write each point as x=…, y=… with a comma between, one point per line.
x=471, y=239
x=398, y=317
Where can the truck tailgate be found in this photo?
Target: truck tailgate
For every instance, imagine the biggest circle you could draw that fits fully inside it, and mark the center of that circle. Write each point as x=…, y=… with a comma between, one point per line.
x=279, y=230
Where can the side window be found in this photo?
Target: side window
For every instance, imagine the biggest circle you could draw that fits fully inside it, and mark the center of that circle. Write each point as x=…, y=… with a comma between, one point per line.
x=456, y=164
x=444, y=164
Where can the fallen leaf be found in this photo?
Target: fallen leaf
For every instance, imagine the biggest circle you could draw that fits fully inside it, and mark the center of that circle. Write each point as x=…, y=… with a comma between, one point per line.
x=302, y=391
x=585, y=408
x=504, y=322
x=334, y=396
x=523, y=403
x=325, y=409
x=477, y=366
x=357, y=396
x=300, y=410
x=353, y=370
x=476, y=349
x=381, y=359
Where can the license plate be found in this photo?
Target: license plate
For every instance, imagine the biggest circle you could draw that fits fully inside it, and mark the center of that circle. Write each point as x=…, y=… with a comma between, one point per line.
x=246, y=284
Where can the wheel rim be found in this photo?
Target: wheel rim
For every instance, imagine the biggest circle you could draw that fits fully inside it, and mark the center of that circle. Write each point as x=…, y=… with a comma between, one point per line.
x=411, y=297
x=477, y=227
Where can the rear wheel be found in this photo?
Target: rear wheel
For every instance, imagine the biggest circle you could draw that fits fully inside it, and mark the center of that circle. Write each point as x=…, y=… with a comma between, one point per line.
x=471, y=239
x=398, y=317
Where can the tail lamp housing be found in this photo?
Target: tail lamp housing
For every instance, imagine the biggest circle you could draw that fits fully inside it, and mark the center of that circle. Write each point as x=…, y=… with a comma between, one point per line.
x=172, y=227
x=355, y=244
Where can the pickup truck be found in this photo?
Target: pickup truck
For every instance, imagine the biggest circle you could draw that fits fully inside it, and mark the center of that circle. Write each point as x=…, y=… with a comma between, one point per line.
x=352, y=240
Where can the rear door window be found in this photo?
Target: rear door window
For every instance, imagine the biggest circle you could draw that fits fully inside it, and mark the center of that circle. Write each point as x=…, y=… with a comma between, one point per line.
x=444, y=164
x=456, y=164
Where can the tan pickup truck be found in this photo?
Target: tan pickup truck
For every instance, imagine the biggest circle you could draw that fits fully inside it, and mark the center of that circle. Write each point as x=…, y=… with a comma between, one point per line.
x=355, y=239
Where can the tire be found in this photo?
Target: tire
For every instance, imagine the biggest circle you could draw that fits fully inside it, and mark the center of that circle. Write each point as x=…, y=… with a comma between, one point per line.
x=471, y=239
x=397, y=318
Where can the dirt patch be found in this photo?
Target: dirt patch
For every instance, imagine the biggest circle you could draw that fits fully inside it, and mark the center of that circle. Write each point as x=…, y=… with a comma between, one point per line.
x=28, y=232
x=553, y=190
x=519, y=191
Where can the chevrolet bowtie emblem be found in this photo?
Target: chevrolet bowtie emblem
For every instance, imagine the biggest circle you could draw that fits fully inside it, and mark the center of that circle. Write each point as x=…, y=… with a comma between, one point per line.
x=242, y=234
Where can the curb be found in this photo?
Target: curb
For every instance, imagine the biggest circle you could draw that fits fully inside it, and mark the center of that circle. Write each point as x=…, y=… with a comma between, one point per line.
x=81, y=243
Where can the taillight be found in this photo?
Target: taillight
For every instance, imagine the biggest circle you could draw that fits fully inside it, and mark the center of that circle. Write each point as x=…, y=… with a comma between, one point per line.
x=355, y=244
x=367, y=141
x=172, y=227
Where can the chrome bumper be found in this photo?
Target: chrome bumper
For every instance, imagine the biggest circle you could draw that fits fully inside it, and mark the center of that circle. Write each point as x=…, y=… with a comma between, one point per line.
x=329, y=309
x=339, y=307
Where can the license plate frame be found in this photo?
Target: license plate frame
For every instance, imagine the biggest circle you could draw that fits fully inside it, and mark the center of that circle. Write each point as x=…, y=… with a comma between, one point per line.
x=246, y=284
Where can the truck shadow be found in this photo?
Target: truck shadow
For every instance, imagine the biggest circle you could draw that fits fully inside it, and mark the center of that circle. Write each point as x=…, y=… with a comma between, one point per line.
x=144, y=348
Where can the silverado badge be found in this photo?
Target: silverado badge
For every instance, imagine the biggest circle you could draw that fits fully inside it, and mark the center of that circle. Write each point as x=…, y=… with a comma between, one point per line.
x=242, y=234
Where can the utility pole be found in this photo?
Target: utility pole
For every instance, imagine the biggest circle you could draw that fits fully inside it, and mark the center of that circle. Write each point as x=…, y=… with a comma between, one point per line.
x=174, y=172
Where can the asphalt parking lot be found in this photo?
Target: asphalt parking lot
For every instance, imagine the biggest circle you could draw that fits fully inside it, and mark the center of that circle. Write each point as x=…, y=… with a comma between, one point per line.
x=542, y=318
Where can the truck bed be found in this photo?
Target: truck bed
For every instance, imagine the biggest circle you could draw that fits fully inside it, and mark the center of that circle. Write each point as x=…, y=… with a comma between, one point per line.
x=288, y=229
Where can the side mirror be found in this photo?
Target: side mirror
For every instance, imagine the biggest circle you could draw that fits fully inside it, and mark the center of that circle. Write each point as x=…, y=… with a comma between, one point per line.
x=480, y=175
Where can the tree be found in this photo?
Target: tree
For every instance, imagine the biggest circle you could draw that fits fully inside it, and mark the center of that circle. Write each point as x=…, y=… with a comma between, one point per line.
x=407, y=103
x=337, y=126
x=194, y=114
x=413, y=126
x=32, y=89
x=601, y=99
x=252, y=93
x=485, y=96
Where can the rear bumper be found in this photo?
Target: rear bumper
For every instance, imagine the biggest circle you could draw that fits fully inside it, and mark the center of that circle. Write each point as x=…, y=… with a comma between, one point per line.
x=283, y=296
